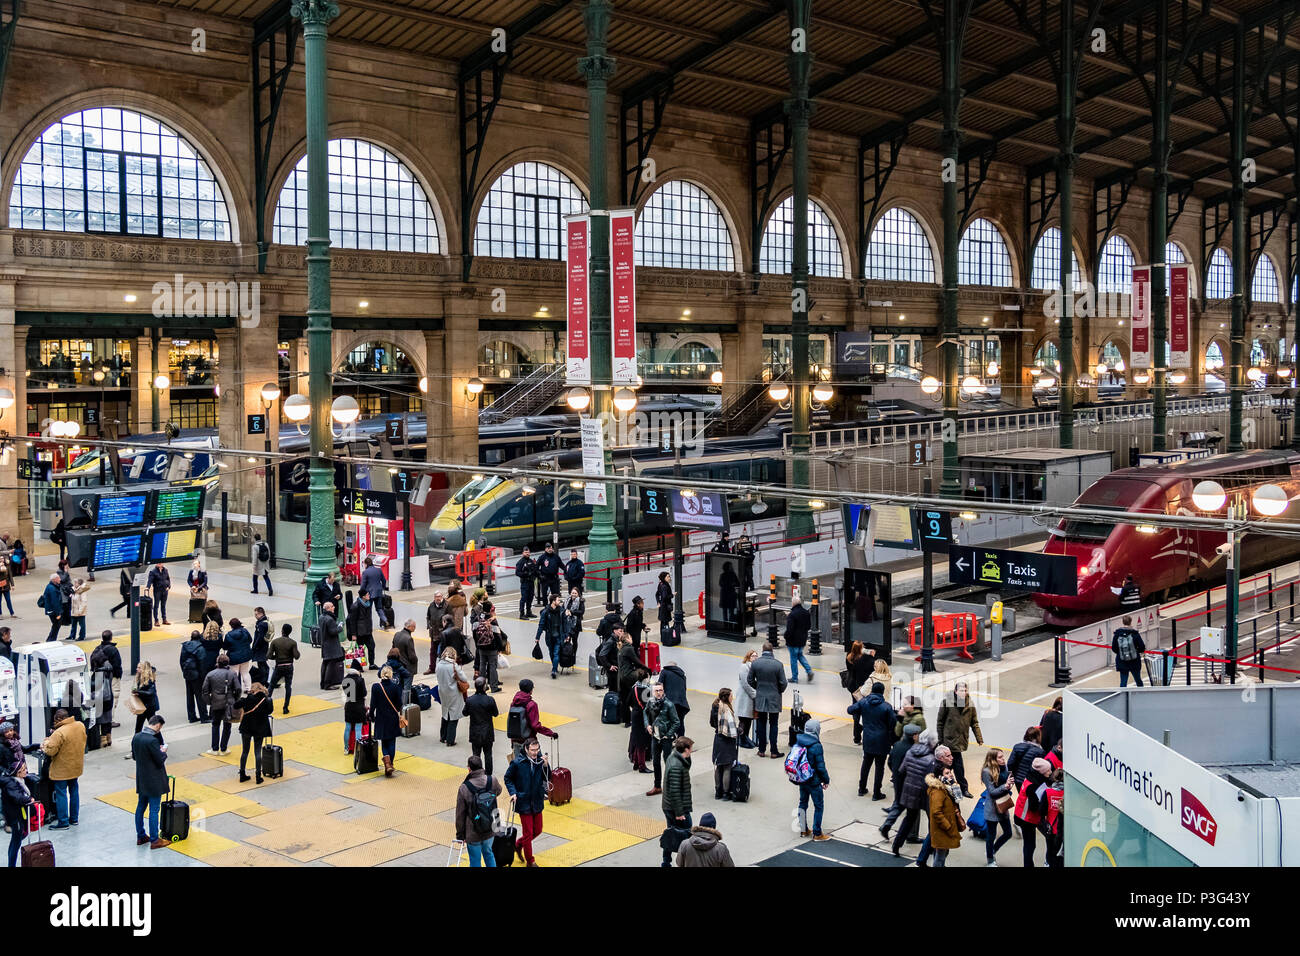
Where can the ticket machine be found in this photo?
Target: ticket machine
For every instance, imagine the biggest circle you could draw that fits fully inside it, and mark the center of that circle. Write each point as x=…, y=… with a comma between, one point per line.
x=49, y=676
x=8, y=691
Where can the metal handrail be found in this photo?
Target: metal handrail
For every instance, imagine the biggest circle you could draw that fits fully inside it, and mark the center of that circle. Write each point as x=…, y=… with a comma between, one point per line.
x=519, y=394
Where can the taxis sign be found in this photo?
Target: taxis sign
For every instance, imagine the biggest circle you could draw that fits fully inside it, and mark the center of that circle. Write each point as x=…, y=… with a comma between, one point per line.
x=1015, y=570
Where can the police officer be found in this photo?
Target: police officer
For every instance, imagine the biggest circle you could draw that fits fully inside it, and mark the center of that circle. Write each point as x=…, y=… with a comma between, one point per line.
x=549, y=566
x=575, y=572
x=526, y=571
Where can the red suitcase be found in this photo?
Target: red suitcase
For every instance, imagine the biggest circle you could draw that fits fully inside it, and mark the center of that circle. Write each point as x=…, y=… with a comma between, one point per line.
x=560, y=786
x=649, y=653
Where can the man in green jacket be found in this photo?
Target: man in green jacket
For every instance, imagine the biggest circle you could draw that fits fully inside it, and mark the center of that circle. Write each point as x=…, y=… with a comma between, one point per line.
x=677, y=789
x=661, y=724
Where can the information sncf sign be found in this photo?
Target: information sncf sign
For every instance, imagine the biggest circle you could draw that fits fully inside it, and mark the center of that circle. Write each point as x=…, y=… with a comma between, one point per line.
x=1198, y=819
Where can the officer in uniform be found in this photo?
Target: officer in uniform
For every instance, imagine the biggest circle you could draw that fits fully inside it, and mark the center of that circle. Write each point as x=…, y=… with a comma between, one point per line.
x=526, y=571
x=549, y=567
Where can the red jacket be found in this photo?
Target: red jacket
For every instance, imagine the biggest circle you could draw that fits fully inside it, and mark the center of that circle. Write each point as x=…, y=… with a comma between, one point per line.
x=532, y=714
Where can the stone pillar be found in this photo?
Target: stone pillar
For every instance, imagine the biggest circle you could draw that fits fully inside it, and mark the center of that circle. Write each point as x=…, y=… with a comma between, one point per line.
x=13, y=420
x=142, y=365
x=459, y=364
x=437, y=396
x=20, y=421
x=743, y=358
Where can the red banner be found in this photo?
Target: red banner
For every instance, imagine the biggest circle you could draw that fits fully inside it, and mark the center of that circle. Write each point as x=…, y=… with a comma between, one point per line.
x=1140, y=318
x=622, y=262
x=1180, y=334
x=577, y=368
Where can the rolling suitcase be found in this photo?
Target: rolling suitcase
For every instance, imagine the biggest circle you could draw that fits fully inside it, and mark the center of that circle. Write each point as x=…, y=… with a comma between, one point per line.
x=798, y=718
x=313, y=633
x=146, y=612
x=272, y=757
x=669, y=636
x=609, y=709
x=197, y=605
x=365, y=759
x=174, y=819
x=504, y=843
x=41, y=786
x=596, y=675
x=456, y=852
x=560, y=786
x=740, y=782
x=40, y=853
x=649, y=654
x=412, y=714
x=568, y=654
x=333, y=674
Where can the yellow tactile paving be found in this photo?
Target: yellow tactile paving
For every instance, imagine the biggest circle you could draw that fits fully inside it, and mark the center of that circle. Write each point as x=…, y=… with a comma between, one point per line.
x=195, y=794
x=233, y=785
x=647, y=828
x=377, y=852
x=392, y=817
x=437, y=795
x=588, y=848
x=432, y=829
x=320, y=747
x=567, y=828
x=243, y=855
x=303, y=704
x=146, y=637
x=202, y=844
x=574, y=808
x=318, y=809
x=194, y=767
x=312, y=839
x=429, y=769
x=548, y=720
x=222, y=803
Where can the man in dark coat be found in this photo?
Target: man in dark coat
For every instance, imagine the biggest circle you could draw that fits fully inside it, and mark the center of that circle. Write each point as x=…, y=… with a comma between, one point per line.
x=361, y=627
x=1052, y=725
x=878, y=719
x=404, y=641
x=373, y=583
x=767, y=677
x=327, y=589
x=661, y=723
x=480, y=708
x=549, y=566
x=331, y=648
x=192, y=671
x=797, y=625
x=674, y=680
x=526, y=572
x=677, y=789
x=575, y=572
x=150, y=756
x=1128, y=647
x=451, y=636
x=107, y=657
x=625, y=670
x=526, y=780
x=52, y=604
x=897, y=754
x=159, y=583
x=917, y=765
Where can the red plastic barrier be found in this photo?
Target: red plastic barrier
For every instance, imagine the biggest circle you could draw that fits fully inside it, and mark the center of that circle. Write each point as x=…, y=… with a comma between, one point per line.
x=952, y=632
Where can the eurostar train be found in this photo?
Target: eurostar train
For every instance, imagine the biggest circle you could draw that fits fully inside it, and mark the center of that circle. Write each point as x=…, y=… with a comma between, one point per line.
x=1168, y=562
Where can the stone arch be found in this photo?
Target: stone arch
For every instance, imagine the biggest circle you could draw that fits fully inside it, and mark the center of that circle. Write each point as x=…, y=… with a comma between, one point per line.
x=711, y=188
x=411, y=343
x=1014, y=252
x=927, y=229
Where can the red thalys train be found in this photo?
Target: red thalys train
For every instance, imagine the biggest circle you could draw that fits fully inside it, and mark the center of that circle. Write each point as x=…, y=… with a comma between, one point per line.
x=1170, y=561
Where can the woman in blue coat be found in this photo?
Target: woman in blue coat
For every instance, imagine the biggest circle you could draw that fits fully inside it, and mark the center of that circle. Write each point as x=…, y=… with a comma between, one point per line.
x=385, y=715
x=238, y=644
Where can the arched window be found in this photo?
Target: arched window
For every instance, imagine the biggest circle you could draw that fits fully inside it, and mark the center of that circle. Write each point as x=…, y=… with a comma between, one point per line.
x=1046, y=273
x=1048, y=356
x=824, y=258
x=1218, y=279
x=1115, y=268
x=898, y=250
x=1215, y=378
x=681, y=227
x=1263, y=286
x=119, y=172
x=523, y=214
x=375, y=202
x=982, y=257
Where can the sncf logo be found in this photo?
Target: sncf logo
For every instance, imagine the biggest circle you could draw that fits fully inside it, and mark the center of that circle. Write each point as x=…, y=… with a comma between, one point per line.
x=1198, y=819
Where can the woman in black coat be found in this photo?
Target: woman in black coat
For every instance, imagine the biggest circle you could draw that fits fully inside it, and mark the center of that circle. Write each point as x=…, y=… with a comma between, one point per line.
x=859, y=665
x=664, y=599
x=1052, y=725
x=354, y=706
x=254, y=728
x=385, y=714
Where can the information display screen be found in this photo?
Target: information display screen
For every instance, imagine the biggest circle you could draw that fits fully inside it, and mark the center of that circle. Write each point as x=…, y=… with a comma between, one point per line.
x=173, y=543
x=178, y=504
x=117, y=551
x=115, y=511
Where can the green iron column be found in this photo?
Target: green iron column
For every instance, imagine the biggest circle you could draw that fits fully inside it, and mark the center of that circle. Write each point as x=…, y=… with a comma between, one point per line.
x=1159, y=300
x=1237, y=343
x=798, y=109
x=315, y=16
x=951, y=145
x=1065, y=188
x=598, y=68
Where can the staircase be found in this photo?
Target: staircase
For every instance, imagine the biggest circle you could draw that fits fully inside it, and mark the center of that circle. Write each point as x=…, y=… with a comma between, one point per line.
x=746, y=413
x=531, y=394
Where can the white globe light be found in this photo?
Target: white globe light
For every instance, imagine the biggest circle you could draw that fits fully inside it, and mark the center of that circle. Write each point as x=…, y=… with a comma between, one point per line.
x=1270, y=500
x=424, y=384
x=716, y=377
x=971, y=384
x=625, y=399
x=1120, y=366
x=1102, y=368
x=929, y=385
x=71, y=429
x=55, y=429
x=345, y=410
x=161, y=382
x=1209, y=495
x=1178, y=377
x=474, y=386
x=6, y=398
x=778, y=391
x=270, y=392
x=578, y=399
x=992, y=370
x=1254, y=374
x=1047, y=381
x=297, y=408
x=1141, y=378
x=822, y=392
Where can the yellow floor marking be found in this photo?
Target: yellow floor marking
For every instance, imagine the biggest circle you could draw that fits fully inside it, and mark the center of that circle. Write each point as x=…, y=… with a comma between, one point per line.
x=302, y=704
x=200, y=844
x=377, y=852
x=645, y=827
x=234, y=786
x=569, y=828
x=195, y=794
x=312, y=839
x=242, y=855
x=588, y=848
x=319, y=808
x=548, y=720
x=431, y=769
x=252, y=810
x=146, y=637
x=392, y=817
x=192, y=768
x=574, y=808
x=222, y=803
x=388, y=792
x=432, y=829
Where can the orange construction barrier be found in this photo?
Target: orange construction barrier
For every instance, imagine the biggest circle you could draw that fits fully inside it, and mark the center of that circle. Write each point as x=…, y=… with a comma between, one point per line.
x=472, y=563
x=952, y=632
x=704, y=624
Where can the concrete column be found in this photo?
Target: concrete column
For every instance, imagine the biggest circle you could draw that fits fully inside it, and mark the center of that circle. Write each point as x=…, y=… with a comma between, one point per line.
x=438, y=396
x=13, y=420
x=459, y=364
x=162, y=366
x=742, y=352
x=142, y=383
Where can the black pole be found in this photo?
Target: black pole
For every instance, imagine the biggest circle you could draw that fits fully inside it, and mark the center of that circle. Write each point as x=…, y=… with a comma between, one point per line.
x=927, y=600
x=225, y=526
x=270, y=495
x=408, y=542
x=135, y=621
x=679, y=615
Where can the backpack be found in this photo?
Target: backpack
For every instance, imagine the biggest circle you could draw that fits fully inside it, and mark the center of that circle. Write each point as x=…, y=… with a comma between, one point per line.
x=605, y=655
x=483, y=635
x=517, y=723
x=1126, y=649
x=99, y=659
x=797, y=766
x=482, y=808
x=263, y=552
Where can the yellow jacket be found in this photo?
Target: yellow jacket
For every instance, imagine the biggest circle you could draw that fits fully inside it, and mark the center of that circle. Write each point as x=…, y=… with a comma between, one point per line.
x=66, y=748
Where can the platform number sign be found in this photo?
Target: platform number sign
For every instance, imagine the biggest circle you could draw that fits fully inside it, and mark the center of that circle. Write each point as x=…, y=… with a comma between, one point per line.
x=395, y=430
x=933, y=529
x=916, y=455
x=257, y=424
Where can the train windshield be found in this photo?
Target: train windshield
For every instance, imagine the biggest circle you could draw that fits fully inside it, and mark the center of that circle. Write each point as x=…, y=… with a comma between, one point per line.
x=477, y=488
x=1109, y=494
x=1081, y=530
x=85, y=458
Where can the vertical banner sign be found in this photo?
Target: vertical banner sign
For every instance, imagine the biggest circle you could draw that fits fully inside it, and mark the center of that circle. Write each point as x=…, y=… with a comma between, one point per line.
x=1180, y=334
x=622, y=287
x=593, y=459
x=577, y=369
x=1140, y=323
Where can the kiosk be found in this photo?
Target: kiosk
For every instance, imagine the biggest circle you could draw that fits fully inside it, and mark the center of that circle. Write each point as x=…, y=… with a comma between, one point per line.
x=49, y=676
x=8, y=691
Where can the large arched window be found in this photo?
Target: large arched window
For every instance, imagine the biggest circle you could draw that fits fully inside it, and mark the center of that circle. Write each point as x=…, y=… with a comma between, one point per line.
x=681, y=227
x=982, y=256
x=523, y=214
x=898, y=250
x=120, y=172
x=1264, y=286
x=1046, y=273
x=824, y=256
x=1218, y=278
x=375, y=202
x=1115, y=267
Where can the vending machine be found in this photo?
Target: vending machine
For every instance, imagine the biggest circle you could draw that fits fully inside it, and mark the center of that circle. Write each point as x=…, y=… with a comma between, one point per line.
x=49, y=676
x=381, y=539
x=8, y=691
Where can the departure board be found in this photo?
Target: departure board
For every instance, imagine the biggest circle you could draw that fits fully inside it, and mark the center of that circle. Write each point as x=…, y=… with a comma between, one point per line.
x=114, y=511
x=173, y=544
x=117, y=551
x=178, y=504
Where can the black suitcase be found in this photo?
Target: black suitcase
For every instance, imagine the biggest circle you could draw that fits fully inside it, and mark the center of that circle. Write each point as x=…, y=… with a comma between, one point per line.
x=568, y=653
x=41, y=786
x=40, y=853
x=504, y=843
x=174, y=819
x=668, y=635
x=365, y=758
x=146, y=612
x=313, y=633
x=272, y=757
x=609, y=709
x=740, y=782
x=196, y=610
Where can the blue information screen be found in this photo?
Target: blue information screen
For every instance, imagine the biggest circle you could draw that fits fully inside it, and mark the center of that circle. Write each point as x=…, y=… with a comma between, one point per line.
x=117, y=551
x=119, y=510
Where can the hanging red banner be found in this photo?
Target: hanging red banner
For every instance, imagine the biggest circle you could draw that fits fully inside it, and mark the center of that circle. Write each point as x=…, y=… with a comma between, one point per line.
x=577, y=366
x=1180, y=333
x=622, y=262
x=1140, y=320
